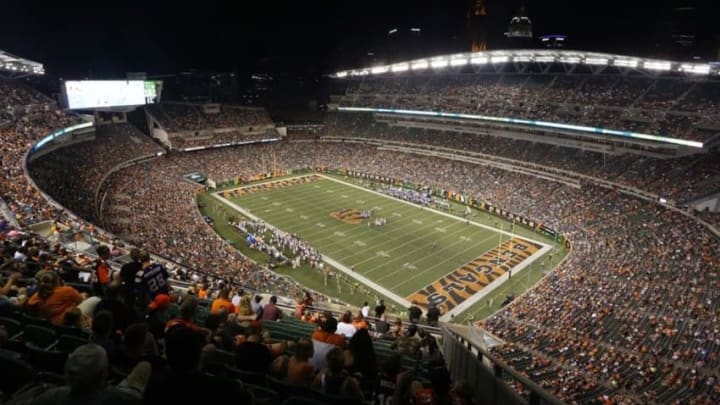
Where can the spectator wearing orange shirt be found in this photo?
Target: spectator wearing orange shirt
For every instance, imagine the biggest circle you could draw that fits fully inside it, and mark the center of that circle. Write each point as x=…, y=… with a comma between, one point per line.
x=222, y=302
x=52, y=301
x=102, y=270
x=202, y=291
x=359, y=322
x=325, y=339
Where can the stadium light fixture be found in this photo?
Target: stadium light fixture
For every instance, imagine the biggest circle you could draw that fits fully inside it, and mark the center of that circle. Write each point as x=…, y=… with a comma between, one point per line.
x=631, y=63
x=522, y=58
x=379, y=69
x=545, y=59
x=570, y=59
x=596, y=61
x=341, y=74
x=479, y=60
x=392, y=31
x=439, y=63
x=419, y=65
x=400, y=67
x=499, y=59
x=415, y=29
x=657, y=65
x=458, y=62
x=695, y=68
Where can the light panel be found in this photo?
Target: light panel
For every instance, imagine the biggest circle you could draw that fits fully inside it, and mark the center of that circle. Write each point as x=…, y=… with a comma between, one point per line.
x=400, y=67
x=657, y=65
x=439, y=63
x=419, y=65
x=596, y=61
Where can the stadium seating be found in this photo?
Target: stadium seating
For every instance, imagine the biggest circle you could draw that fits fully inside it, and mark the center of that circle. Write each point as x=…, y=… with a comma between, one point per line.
x=566, y=98
x=630, y=315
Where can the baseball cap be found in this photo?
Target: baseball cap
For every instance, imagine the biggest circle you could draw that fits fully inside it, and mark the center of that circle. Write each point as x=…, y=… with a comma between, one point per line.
x=161, y=301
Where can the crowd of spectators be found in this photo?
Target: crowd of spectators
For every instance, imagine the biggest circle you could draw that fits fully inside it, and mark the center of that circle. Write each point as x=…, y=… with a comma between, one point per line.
x=191, y=117
x=184, y=141
x=57, y=172
x=619, y=288
x=630, y=316
x=667, y=106
x=128, y=336
x=679, y=178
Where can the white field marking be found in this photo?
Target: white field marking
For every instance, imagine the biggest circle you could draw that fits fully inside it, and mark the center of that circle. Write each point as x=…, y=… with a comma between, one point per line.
x=417, y=221
x=360, y=201
x=396, y=214
x=412, y=242
x=330, y=191
x=316, y=186
x=289, y=209
x=439, y=221
x=340, y=234
x=320, y=225
x=440, y=263
x=465, y=239
x=377, y=208
x=305, y=217
x=360, y=278
x=409, y=266
x=445, y=214
x=276, y=204
x=383, y=253
x=357, y=276
x=264, y=198
x=475, y=298
x=268, y=210
x=359, y=243
x=441, y=230
x=344, y=196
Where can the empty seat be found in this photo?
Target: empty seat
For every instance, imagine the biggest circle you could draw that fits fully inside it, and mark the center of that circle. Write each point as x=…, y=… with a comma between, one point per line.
x=68, y=343
x=14, y=373
x=39, y=336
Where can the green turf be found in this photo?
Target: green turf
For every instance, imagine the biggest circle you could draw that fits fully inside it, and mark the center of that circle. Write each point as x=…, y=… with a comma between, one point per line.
x=415, y=248
x=408, y=261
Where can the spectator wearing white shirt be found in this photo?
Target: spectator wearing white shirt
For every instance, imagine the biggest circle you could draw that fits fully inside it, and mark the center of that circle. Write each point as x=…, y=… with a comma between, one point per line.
x=345, y=326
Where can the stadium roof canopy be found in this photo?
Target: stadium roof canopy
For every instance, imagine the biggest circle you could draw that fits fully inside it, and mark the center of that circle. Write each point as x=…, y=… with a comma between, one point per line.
x=521, y=59
x=15, y=66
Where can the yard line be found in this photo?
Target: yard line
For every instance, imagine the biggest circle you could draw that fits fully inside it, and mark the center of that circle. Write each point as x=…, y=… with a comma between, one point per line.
x=449, y=260
x=435, y=211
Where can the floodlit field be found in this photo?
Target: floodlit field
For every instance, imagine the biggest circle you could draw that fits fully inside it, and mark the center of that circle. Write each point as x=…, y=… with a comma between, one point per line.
x=420, y=253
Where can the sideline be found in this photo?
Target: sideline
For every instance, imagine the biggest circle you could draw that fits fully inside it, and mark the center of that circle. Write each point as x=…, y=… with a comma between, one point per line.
x=325, y=258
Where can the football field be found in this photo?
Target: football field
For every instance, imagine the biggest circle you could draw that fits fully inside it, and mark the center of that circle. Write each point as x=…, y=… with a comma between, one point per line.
x=420, y=254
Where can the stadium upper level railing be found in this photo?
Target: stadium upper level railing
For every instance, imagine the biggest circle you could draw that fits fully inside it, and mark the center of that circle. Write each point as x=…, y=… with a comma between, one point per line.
x=469, y=360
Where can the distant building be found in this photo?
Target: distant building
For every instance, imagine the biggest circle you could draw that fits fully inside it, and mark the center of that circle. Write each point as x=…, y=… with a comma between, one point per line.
x=553, y=41
x=520, y=31
x=477, y=22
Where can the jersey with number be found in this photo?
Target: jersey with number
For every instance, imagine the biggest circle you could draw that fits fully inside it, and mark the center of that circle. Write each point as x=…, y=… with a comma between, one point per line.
x=385, y=389
x=153, y=280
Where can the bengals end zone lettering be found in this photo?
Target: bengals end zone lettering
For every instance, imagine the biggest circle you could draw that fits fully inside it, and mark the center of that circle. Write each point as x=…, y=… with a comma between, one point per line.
x=461, y=284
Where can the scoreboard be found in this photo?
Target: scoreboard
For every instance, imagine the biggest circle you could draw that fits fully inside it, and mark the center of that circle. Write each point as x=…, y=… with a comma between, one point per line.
x=92, y=94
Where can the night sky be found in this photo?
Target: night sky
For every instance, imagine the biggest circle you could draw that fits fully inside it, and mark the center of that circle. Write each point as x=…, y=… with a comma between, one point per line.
x=108, y=38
